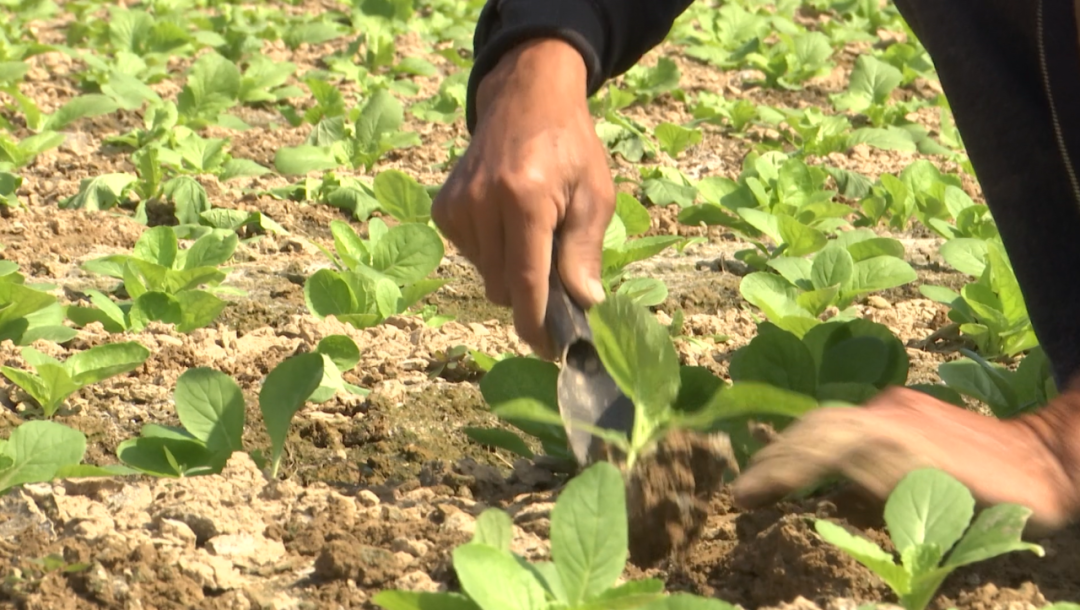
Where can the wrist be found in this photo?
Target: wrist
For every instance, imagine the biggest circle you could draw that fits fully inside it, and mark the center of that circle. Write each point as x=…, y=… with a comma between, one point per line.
x=550, y=63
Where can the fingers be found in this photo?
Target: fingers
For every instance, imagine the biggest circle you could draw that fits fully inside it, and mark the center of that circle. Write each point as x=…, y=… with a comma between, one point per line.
x=527, y=266
x=581, y=241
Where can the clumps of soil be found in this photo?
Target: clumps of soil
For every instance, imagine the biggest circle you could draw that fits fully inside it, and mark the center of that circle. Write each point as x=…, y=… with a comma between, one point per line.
x=669, y=492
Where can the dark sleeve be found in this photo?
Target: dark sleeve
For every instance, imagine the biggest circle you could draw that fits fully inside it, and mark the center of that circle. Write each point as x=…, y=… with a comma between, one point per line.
x=611, y=35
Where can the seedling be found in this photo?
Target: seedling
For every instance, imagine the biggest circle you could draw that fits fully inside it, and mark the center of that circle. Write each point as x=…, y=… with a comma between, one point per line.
x=28, y=314
x=52, y=381
x=630, y=219
x=376, y=278
x=40, y=451
x=589, y=549
x=211, y=410
x=854, y=264
x=638, y=353
x=991, y=311
x=162, y=281
x=928, y=517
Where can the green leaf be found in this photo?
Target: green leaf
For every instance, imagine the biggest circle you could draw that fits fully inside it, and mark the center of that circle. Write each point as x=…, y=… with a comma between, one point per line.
x=81, y=107
x=155, y=306
x=526, y=383
x=327, y=294
x=778, y=358
x=966, y=255
x=832, y=267
x=300, y=160
x=408, y=253
x=856, y=360
x=774, y=295
x=382, y=114
x=494, y=528
x=213, y=86
x=866, y=553
x=996, y=531
x=100, y=192
x=402, y=197
x=36, y=450
x=284, y=392
x=675, y=138
x=750, y=398
x=495, y=580
x=637, y=352
x=104, y=361
x=589, y=532
x=634, y=216
x=928, y=507
x=341, y=350
x=211, y=250
x=880, y=273
x=211, y=407
x=157, y=245
x=387, y=297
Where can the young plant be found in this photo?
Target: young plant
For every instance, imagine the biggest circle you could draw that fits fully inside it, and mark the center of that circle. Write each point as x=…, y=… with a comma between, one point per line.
x=375, y=278
x=928, y=517
x=52, y=381
x=374, y=130
x=589, y=550
x=211, y=409
x=631, y=219
x=638, y=353
x=1008, y=393
x=990, y=311
x=41, y=451
x=162, y=282
x=852, y=265
x=28, y=314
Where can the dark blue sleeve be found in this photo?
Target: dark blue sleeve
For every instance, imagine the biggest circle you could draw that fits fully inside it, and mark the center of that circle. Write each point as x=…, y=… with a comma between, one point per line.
x=611, y=35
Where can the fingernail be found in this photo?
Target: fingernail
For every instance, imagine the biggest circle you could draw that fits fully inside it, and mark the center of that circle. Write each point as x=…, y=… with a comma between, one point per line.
x=596, y=291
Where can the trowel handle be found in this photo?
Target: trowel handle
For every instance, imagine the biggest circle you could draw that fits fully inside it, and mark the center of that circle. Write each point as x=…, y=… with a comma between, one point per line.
x=565, y=321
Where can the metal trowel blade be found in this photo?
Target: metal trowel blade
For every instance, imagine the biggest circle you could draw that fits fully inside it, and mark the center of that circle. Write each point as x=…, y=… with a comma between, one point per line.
x=586, y=391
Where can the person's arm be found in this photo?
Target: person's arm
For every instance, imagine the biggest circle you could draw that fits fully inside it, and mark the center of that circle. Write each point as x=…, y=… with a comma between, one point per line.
x=611, y=35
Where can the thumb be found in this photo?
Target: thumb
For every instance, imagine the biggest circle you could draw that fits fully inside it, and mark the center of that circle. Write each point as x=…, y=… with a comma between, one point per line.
x=581, y=244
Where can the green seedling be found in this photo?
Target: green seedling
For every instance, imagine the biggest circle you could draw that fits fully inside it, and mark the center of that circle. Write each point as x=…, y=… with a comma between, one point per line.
x=793, y=60
x=52, y=381
x=340, y=354
x=41, y=451
x=619, y=250
x=358, y=140
x=638, y=353
x=991, y=311
x=375, y=278
x=15, y=154
x=1008, y=393
x=81, y=107
x=9, y=188
x=28, y=313
x=162, y=281
x=589, y=550
x=210, y=406
x=854, y=264
x=928, y=517
x=674, y=139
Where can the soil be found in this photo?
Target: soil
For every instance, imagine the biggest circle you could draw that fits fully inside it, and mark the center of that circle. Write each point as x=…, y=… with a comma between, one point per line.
x=375, y=491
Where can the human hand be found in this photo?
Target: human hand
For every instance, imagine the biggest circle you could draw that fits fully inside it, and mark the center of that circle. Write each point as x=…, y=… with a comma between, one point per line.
x=1031, y=460
x=534, y=166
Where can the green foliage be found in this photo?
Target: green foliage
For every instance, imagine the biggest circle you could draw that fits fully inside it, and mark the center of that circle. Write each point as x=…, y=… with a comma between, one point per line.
x=375, y=278
x=40, y=451
x=854, y=264
x=52, y=381
x=589, y=542
x=928, y=516
x=990, y=311
x=162, y=282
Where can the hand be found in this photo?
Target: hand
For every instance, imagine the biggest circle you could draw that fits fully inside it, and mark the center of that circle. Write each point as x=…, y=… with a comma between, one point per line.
x=1032, y=460
x=534, y=166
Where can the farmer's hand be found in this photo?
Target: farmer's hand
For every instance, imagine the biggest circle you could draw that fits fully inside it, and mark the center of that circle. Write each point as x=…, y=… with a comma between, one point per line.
x=1032, y=460
x=534, y=165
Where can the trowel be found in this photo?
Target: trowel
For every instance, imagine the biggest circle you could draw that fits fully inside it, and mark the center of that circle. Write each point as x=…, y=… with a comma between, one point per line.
x=586, y=391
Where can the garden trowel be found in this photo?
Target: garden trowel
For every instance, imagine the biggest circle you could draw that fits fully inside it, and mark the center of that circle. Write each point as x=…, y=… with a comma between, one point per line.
x=586, y=391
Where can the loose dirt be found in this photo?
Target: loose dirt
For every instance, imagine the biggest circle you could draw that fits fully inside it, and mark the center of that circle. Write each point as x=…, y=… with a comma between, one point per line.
x=376, y=491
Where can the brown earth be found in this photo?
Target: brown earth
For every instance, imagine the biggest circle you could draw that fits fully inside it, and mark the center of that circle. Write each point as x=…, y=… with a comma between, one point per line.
x=376, y=491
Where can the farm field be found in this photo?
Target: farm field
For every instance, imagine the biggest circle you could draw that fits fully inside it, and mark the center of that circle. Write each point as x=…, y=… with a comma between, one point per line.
x=240, y=368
